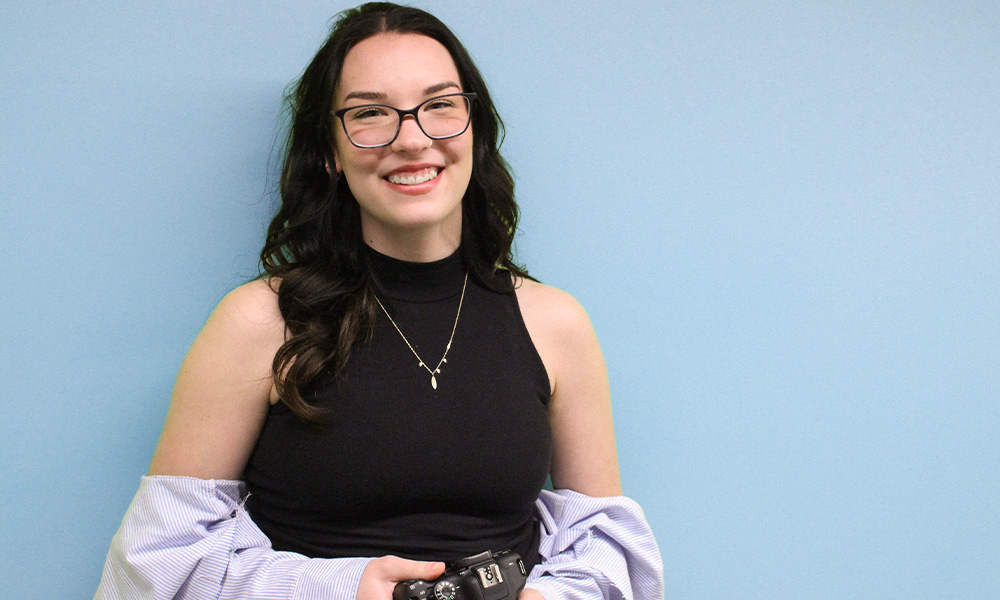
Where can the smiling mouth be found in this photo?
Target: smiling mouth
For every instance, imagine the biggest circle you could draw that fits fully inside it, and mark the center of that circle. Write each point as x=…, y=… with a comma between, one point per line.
x=413, y=178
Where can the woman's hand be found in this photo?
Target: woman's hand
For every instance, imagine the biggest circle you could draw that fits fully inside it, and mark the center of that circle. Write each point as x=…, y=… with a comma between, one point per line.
x=382, y=574
x=530, y=594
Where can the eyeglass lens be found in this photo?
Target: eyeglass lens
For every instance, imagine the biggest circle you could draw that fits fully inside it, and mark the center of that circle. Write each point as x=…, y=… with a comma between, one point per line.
x=377, y=125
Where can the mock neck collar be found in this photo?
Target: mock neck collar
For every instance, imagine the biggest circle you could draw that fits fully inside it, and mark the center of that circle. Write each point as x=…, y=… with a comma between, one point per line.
x=416, y=281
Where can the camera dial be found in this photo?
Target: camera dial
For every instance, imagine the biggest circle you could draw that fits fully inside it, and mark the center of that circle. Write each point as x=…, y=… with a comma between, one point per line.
x=445, y=590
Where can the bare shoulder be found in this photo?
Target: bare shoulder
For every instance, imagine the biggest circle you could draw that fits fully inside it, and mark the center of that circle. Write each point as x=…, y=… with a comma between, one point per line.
x=244, y=331
x=250, y=309
x=559, y=328
x=550, y=311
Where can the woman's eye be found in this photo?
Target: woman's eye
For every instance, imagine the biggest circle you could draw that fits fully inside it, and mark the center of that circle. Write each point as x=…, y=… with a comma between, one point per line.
x=368, y=112
x=441, y=104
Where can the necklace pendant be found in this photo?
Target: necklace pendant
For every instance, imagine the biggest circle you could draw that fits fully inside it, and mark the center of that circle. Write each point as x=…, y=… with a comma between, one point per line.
x=420, y=361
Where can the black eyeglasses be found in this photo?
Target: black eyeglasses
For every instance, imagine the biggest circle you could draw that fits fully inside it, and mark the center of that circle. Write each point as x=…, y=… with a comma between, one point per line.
x=377, y=125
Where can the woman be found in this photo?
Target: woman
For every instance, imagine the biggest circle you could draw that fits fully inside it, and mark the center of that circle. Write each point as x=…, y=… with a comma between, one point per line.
x=395, y=387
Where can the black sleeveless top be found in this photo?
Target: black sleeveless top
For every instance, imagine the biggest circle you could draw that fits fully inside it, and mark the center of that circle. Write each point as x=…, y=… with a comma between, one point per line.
x=403, y=468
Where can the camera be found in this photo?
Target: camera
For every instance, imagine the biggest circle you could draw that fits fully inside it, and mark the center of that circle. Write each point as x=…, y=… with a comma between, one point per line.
x=485, y=576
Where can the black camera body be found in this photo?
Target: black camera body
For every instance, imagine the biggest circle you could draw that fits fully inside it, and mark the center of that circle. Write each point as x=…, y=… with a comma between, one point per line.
x=485, y=576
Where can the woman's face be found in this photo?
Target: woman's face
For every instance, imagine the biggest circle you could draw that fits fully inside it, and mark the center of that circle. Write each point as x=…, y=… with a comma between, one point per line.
x=414, y=186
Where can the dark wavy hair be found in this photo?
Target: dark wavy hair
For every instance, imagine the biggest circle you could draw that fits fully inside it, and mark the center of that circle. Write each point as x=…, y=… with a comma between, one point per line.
x=314, y=251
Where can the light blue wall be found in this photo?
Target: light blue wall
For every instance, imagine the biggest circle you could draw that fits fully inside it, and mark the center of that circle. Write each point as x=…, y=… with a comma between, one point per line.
x=782, y=217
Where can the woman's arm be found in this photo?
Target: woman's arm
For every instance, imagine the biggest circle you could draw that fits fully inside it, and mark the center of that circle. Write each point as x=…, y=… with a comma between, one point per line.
x=596, y=544
x=584, y=456
x=223, y=389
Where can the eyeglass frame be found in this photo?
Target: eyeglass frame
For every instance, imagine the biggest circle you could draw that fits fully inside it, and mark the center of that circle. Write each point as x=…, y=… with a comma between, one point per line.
x=470, y=96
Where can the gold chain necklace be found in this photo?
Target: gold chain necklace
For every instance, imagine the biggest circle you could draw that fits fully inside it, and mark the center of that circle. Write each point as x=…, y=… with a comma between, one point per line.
x=436, y=370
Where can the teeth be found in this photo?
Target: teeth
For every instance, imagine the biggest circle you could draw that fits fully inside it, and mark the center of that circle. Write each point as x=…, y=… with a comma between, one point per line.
x=414, y=178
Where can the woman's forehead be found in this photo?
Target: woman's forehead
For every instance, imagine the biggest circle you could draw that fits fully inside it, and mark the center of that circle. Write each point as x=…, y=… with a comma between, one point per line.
x=387, y=65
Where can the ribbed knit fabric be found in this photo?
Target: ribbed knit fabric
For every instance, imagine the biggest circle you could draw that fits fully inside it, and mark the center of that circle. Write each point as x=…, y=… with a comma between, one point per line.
x=403, y=468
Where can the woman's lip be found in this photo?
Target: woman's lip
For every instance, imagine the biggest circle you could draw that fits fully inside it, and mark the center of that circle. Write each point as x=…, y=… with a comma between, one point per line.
x=414, y=188
x=407, y=169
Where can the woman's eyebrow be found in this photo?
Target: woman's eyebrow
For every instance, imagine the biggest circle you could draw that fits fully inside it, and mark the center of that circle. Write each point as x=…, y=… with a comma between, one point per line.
x=365, y=96
x=381, y=96
x=441, y=87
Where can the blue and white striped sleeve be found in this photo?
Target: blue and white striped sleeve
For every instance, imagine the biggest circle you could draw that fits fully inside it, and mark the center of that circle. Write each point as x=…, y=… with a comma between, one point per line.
x=595, y=549
x=188, y=538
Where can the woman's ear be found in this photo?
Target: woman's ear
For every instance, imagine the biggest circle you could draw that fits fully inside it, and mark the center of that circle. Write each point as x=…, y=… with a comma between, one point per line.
x=336, y=163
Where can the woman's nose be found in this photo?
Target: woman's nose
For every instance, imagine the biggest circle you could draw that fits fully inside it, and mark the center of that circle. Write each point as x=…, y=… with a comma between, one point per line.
x=411, y=138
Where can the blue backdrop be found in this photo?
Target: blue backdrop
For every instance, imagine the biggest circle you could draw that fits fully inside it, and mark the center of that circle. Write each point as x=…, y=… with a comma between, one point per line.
x=781, y=216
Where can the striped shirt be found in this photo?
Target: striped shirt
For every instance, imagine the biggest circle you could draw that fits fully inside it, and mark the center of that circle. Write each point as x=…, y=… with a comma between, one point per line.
x=191, y=538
